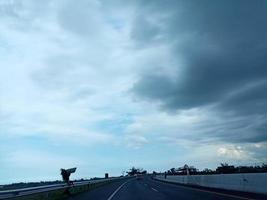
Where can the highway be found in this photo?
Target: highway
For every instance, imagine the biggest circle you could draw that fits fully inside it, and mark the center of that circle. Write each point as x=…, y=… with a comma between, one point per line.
x=147, y=188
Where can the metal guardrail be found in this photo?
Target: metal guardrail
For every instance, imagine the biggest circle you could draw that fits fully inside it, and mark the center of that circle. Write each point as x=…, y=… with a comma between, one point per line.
x=7, y=194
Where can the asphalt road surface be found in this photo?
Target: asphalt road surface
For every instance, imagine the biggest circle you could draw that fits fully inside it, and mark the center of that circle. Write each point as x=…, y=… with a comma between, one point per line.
x=147, y=188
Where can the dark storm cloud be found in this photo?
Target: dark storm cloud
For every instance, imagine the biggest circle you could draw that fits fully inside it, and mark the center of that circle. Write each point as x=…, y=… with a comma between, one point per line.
x=223, y=45
x=251, y=100
x=144, y=32
x=244, y=129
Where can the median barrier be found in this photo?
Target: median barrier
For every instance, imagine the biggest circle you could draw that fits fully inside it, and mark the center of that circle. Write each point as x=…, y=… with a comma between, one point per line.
x=245, y=182
x=55, y=192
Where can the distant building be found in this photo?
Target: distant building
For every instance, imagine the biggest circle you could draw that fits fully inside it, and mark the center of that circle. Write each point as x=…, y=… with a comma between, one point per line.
x=183, y=170
x=225, y=169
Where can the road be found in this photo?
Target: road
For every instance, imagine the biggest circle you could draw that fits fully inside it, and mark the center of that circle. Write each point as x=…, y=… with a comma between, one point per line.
x=147, y=188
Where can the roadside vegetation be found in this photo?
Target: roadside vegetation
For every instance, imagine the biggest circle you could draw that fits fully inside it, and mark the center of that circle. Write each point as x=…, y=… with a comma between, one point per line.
x=224, y=168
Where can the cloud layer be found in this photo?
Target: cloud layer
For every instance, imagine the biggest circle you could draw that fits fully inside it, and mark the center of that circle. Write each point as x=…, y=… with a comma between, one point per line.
x=220, y=50
x=115, y=84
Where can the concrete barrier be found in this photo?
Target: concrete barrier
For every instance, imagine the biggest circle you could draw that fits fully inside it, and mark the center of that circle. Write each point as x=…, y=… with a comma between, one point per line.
x=55, y=191
x=247, y=182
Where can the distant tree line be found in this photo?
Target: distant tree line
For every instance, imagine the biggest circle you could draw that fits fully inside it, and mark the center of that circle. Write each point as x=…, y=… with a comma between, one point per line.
x=135, y=171
x=20, y=185
x=224, y=168
x=230, y=169
x=28, y=184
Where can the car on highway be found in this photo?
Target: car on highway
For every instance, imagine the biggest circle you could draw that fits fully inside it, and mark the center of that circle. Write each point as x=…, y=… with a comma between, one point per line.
x=139, y=176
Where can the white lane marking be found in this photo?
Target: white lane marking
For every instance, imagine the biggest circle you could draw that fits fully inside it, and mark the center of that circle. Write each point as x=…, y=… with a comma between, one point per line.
x=154, y=189
x=113, y=194
x=211, y=192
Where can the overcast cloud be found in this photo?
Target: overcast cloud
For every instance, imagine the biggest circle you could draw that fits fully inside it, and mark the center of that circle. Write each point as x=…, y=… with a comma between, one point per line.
x=107, y=85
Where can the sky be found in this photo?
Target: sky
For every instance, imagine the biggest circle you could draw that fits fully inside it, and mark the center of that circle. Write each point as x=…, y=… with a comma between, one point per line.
x=107, y=85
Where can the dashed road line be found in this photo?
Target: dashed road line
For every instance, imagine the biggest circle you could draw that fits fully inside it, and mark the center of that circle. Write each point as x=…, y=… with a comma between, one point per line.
x=113, y=194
